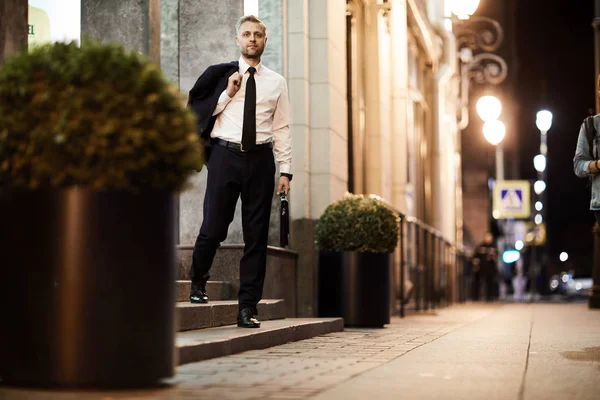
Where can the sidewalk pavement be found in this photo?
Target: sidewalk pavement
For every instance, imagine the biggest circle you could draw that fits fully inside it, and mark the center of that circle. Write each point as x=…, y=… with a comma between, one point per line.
x=473, y=351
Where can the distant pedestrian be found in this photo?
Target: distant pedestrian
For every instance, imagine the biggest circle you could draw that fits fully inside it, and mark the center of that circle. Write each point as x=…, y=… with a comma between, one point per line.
x=485, y=268
x=585, y=162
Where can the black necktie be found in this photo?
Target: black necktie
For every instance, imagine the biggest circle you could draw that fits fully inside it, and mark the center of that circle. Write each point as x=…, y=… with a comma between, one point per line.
x=249, y=127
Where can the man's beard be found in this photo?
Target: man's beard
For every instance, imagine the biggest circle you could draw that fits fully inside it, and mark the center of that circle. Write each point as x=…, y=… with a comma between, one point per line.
x=258, y=52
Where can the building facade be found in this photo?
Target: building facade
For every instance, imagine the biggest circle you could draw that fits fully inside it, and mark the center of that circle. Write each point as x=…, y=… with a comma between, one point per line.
x=374, y=88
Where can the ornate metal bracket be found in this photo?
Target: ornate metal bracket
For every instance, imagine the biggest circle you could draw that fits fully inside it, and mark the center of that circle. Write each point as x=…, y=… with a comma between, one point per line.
x=479, y=33
x=482, y=68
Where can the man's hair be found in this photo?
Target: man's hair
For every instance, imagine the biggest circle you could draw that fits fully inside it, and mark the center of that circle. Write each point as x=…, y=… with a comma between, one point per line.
x=249, y=18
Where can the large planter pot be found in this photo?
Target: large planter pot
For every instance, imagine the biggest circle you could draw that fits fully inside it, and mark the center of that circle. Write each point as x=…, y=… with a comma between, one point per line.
x=87, y=293
x=355, y=286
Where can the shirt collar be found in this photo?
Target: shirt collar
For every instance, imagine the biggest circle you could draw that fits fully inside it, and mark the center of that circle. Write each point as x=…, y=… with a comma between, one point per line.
x=244, y=66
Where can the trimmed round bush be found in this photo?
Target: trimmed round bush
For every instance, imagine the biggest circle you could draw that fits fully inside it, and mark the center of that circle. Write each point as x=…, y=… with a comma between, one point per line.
x=358, y=223
x=96, y=116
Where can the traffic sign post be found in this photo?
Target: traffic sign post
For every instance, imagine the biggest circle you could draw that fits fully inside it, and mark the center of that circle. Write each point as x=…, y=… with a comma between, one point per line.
x=512, y=199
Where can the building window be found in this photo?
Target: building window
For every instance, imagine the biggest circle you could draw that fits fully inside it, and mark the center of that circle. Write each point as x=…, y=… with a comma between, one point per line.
x=54, y=21
x=251, y=7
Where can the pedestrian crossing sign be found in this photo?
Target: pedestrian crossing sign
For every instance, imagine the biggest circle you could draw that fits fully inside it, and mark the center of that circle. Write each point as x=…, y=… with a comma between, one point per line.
x=511, y=199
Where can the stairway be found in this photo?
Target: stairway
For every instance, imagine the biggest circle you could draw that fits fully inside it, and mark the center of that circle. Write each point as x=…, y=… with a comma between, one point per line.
x=210, y=330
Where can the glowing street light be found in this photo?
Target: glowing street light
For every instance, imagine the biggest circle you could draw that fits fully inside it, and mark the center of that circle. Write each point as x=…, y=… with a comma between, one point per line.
x=544, y=121
x=519, y=245
x=539, y=206
x=564, y=256
x=494, y=131
x=539, y=162
x=539, y=187
x=489, y=108
x=538, y=219
x=463, y=9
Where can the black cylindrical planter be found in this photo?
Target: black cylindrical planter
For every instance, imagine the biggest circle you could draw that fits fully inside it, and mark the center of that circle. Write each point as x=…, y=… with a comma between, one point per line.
x=355, y=286
x=87, y=292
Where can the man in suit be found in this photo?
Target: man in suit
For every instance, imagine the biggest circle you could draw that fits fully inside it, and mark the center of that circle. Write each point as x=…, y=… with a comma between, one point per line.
x=244, y=117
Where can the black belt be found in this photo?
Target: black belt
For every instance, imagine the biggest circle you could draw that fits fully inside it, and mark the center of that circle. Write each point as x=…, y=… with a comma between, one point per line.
x=238, y=146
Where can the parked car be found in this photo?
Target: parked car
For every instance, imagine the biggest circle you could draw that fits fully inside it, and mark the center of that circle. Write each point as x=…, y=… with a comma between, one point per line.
x=566, y=283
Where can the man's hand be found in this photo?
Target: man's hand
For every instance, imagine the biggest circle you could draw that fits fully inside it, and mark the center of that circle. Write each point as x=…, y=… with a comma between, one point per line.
x=233, y=84
x=284, y=183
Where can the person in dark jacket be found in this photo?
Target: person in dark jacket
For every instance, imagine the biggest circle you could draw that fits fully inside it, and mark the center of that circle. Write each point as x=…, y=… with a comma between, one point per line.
x=243, y=117
x=485, y=268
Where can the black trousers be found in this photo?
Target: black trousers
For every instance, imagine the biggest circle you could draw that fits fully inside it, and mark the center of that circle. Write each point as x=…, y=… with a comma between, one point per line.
x=233, y=174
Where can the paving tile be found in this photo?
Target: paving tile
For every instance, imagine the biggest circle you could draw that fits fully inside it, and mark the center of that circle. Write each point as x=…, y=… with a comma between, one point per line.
x=297, y=370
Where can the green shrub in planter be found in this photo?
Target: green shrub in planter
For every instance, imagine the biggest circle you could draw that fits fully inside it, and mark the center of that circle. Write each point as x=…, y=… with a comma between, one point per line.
x=96, y=116
x=94, y=143
x=358, y=223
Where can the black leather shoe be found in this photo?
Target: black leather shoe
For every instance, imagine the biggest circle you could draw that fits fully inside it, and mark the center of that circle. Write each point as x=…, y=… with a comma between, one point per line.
x=246, y=319
x=198, y=295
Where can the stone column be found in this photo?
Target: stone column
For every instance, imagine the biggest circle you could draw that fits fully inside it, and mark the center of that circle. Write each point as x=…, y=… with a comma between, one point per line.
x=206, y=37
x=317, y=67
x=373, y=121
x=302, y=227
x=13, y=27
x=133, y=23
x=169, y=39
x=328, y=107
x=400, y=102
x=299, y=86
x=271, y=12
x=385, y=105
x=445, y=153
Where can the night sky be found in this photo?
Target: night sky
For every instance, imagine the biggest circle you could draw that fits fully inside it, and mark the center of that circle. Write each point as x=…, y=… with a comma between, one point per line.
x=556, y=71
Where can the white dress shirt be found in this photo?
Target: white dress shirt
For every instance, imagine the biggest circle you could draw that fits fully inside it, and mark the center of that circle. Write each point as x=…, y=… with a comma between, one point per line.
x=272, y=113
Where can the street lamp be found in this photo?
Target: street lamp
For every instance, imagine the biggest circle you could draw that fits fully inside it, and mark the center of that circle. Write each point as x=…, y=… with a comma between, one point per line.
x=539, y=206
x=494, y=131
x=463, y=9
x=564, y=256
x=539, y=186
x=544, y=121
x=477, y=39
x=489, y=108
x=539, y=162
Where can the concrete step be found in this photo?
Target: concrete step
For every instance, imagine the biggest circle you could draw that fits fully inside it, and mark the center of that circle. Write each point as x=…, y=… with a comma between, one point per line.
x=221, y=312
x=203, y=344
x=216, y=290
x=280, y=279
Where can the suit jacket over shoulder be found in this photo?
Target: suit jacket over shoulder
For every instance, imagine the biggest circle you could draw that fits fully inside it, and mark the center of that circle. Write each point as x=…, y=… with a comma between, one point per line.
x=203, y=97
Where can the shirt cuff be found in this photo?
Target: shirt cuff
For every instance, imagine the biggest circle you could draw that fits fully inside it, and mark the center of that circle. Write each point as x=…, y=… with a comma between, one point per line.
x=285, y=168
x=224, y=97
